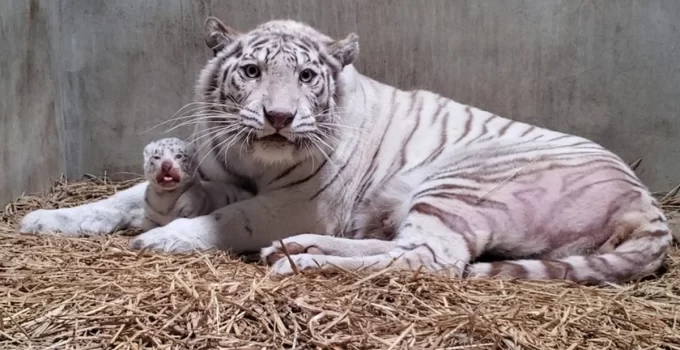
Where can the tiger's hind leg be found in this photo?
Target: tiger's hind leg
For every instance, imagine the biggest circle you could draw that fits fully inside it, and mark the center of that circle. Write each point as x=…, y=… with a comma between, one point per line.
x=429, y=238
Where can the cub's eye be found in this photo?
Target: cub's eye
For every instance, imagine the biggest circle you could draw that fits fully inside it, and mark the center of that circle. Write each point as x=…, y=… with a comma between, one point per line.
x=178, y=156
x=307, y=75
x=156, y=157
x=251, y=71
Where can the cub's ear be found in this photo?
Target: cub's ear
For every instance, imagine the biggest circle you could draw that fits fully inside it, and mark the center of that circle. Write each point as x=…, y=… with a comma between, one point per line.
x=217, y=35
x=345, y=50
x=149, y=146
x=147, y=150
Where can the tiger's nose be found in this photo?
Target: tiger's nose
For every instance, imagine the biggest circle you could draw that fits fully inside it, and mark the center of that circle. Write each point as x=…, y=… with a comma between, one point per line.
x=279, y=119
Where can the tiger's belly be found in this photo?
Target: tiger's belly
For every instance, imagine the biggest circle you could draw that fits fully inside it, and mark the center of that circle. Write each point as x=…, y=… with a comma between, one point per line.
x=551, y=213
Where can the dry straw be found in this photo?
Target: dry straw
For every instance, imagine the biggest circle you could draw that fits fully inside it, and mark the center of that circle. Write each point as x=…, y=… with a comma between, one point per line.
x=94, y=293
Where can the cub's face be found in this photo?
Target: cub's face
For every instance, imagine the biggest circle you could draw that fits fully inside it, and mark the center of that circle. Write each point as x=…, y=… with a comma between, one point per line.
x=272, y=92
x=169, y=163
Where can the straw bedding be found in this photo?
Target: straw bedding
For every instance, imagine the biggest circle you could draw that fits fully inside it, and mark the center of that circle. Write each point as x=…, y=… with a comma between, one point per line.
x=94, y=293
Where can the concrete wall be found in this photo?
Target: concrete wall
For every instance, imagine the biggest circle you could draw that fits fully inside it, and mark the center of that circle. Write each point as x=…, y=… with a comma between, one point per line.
x=607, y=70
x=30, y=116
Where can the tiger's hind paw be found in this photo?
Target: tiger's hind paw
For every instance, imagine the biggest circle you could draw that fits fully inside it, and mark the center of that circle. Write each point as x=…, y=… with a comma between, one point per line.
x=301, y=244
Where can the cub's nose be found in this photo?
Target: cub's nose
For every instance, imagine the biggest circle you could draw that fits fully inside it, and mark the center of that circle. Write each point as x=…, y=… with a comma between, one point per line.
x=279, y=119
x=166, y=165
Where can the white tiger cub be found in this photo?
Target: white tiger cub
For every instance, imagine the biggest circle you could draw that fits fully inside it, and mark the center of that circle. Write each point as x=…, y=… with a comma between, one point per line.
x=358, y=174
x=174, y=188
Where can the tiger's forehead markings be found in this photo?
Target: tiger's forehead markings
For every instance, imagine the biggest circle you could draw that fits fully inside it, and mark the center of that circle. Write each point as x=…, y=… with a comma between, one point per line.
x=299, y=39
x=299, y=50
x=257, y=41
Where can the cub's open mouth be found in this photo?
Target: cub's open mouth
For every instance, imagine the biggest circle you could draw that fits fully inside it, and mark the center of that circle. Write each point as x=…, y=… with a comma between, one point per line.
x=170, y=179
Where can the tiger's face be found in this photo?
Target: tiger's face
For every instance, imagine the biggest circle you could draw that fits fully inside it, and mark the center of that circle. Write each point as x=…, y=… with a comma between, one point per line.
x=273, y=92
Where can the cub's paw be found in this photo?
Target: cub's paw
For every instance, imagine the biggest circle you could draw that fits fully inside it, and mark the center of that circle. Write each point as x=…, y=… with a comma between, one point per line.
x=73, y=221
x=302, y=262
x=300, y=244
x=179, y=236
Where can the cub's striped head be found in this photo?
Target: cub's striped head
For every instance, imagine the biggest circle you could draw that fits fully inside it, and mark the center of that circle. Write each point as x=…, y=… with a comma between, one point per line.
x=273, y=92
x=169, y=163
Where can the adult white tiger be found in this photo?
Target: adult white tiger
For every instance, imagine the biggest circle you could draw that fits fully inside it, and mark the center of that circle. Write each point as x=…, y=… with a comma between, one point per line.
x=420, y=179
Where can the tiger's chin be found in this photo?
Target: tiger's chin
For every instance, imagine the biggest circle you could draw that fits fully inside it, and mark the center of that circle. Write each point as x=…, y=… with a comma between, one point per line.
x=273, y=154
x=280, y=152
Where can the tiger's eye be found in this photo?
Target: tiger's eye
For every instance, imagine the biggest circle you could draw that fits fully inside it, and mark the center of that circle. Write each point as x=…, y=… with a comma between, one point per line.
x=307, y=75
x=252, y=71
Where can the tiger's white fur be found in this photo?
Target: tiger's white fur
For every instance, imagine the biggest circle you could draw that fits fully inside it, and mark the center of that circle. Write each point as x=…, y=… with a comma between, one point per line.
x=370, y=175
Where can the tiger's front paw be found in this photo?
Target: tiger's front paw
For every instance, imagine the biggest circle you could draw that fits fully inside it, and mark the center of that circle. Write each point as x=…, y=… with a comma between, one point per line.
x=179, y=236
x=300, y=244
x=86, y=220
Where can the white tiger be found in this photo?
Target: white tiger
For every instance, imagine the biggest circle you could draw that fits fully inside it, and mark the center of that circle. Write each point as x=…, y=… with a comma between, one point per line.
x=354, y=173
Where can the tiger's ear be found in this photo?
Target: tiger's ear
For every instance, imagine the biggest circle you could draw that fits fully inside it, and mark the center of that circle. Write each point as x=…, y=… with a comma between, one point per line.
x=345, y=50
x=217, y=35
x=190, y=149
